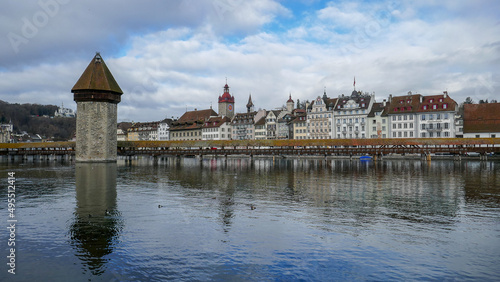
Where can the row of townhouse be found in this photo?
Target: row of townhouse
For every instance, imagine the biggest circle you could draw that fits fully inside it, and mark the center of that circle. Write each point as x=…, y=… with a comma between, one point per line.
x=354, y=116
x=359, y=116
x=144, y=131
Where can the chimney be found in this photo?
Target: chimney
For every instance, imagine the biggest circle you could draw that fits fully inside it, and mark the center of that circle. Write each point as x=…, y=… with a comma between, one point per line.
x=421, y=99
x=390, y=98
x=445, y=93
x=384, y=103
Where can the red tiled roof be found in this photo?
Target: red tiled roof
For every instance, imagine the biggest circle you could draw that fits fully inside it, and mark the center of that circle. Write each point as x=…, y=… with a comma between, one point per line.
x=437, y=103
x=192, y=119
x=216, y=122
x=404, y=104
x=482, y=118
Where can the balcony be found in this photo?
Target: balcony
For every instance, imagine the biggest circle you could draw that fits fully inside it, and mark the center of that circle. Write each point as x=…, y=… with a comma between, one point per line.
x=433, y=129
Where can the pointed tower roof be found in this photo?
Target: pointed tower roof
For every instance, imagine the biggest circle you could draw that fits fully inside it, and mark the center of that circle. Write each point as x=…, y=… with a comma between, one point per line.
x=97, y=77
x=249, y=104
x=290, y=98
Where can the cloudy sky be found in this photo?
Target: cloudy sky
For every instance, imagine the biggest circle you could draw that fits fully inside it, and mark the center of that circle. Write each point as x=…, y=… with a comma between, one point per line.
x=169, y=56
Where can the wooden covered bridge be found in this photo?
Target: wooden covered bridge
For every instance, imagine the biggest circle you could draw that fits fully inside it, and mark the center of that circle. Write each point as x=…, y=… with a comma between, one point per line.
x=323, y=147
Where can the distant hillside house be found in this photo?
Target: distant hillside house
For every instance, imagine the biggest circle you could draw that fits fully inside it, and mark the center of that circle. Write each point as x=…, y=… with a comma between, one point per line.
x=482, y=120
x=64, y=112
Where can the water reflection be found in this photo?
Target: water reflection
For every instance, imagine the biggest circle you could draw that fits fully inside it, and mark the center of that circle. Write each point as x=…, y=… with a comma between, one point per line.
x=97, y=222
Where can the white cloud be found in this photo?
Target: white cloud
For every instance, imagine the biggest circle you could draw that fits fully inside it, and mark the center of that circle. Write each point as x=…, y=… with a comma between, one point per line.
x=167, y=57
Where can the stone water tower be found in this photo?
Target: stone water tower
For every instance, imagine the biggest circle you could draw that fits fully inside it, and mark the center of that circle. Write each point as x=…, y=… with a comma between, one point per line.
x=96, y=94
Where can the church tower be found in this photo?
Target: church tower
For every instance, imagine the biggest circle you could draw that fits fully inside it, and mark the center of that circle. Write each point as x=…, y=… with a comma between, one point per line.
x=226, y=103
x=96, y=94
x=250, y=104
x=289, y=104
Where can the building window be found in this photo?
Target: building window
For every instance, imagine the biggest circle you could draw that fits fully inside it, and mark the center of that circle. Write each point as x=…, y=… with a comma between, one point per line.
x=423, y=117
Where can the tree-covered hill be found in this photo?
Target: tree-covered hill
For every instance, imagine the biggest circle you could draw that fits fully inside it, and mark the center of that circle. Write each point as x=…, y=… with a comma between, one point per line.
x=37, y=119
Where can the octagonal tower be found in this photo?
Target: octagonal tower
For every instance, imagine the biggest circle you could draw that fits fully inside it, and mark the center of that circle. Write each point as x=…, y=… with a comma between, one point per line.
x=96, y=94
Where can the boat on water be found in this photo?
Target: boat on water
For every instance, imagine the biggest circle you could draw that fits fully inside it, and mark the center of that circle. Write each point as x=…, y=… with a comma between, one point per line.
x=365, y=158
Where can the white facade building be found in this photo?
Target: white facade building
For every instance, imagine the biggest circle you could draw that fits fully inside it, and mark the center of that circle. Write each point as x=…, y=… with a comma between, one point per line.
x=351, y=114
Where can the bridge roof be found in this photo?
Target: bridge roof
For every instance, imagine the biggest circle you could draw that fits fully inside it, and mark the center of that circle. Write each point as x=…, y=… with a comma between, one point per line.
x=97, y=77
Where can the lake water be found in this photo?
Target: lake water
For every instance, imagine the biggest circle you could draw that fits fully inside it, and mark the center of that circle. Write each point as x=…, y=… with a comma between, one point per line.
x=237, y=219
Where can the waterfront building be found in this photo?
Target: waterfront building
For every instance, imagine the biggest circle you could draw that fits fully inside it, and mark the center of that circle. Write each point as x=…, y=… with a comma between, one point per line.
x=164, y=129
x=402, y=115
x=96, y=94
x=143, y=131
x=283, y=126
x=320, y=118
x=436, y=116
x=377, y=121
x=351, y=113
x=482, y=120
x=226, y=103
x=299, y=127
x=217, y=128
x=260, y=128
x=121, y=135
x=243, y=124
x=121, y=131
x=459, y=126
x=415, y=115
x=189, y=125
x=64, y=112
x=272, y=123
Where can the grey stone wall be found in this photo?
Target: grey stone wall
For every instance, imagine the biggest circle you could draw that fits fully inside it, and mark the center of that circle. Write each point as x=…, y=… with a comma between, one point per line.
x=96, y=132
